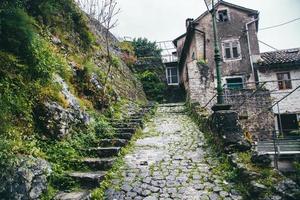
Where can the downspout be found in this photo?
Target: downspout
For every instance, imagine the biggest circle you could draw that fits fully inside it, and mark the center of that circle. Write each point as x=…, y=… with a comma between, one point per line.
x=249, y=47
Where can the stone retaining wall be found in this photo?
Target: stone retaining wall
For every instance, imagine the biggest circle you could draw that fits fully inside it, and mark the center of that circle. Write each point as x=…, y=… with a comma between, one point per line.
x=254, y=115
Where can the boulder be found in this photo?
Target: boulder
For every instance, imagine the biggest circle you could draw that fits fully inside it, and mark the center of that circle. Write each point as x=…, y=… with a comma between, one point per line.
x=257, y=188
x=261, y=159
x=56, y=40
x=288, y=189
x=226, y=126
x=30, y=179
x=94, y=80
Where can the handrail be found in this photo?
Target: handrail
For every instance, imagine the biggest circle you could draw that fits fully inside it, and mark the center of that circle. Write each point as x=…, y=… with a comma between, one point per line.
x=252, y=95
x=210, y=100
x=284, y=97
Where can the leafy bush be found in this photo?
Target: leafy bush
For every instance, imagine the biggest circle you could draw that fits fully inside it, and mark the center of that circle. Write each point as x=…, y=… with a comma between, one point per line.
x=153, y=86
x=128, y=53
x=103, y=129
x=17, y=31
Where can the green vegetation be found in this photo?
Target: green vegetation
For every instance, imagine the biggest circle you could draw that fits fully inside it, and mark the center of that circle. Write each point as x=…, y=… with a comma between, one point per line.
x=202, y=62
x=149, y=68
x=144, y=48
x=128, y=53
x=28, y=63
x=153, y=86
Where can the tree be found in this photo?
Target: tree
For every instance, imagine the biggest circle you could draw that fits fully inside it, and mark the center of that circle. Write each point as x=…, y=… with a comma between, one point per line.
x=146, y=49
x=105, y=12
x=150, y=68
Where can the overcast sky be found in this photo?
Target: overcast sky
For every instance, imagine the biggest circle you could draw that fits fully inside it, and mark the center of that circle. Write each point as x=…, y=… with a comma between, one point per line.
x=160, y=20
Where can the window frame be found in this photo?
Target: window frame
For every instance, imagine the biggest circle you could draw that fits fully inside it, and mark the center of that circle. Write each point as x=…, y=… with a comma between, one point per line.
x=222, y=10
x=286, y=83
x=234, y=77
x=170, y=76
x=231, y=47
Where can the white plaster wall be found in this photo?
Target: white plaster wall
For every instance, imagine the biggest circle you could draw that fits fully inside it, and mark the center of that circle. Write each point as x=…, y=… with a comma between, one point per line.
x=292, y=103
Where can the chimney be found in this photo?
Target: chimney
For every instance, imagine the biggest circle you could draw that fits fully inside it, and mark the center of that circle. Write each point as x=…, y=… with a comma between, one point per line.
x=188, y=22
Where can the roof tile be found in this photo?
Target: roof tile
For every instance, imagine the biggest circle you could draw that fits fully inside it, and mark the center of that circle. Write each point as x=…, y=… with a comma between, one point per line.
x=288, y=56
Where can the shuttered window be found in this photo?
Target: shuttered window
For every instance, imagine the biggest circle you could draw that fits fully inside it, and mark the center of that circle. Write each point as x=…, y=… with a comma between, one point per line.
x=231, y=50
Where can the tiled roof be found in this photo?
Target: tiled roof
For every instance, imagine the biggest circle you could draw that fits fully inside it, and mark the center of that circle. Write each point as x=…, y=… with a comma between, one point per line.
x=288, y=56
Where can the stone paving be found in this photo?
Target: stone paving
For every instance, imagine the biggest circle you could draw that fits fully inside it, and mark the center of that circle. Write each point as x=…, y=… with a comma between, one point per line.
x=170, y=162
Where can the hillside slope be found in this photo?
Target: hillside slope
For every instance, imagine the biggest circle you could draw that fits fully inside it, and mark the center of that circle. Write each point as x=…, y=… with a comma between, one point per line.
x=53, y=100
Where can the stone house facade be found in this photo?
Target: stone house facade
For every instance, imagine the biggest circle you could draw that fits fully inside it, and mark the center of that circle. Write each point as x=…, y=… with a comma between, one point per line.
x=237, y=37
x=281, y=72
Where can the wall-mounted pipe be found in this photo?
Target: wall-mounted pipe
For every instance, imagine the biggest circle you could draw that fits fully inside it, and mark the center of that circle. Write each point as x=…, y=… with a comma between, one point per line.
x=249, y=46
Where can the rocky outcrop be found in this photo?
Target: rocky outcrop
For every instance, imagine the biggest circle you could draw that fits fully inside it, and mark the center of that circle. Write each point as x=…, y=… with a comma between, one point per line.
x=30, y=179
x=57, y=121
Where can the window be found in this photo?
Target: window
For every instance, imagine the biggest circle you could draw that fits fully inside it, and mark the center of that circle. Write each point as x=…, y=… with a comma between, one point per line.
x=284, y=81
x=223, y=16
x=231, y=50
x=235, y=83
x=193, y=56
x=172, y=75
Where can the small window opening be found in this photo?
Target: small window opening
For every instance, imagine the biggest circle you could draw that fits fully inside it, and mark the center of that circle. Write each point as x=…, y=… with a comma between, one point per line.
x=235, y=83
x=193, y=56
x=223, y=16
x=284, y=81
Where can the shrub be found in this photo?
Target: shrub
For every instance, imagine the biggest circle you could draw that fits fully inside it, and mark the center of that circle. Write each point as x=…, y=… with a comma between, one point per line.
x=103, y=128
x=153, y=86
x=16, y=30
x=128, y=53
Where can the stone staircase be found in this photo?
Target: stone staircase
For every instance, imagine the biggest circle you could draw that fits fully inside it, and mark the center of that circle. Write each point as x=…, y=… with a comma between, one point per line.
x=102, y=157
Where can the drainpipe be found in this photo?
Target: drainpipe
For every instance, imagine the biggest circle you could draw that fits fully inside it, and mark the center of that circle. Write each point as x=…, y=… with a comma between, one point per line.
x=249, y=46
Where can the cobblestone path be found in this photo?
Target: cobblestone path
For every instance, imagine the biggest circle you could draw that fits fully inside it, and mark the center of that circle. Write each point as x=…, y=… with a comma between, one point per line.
x=170, y=162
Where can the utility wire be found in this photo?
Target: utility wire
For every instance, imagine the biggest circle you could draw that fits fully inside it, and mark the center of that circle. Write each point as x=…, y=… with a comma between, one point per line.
x=278, y=25
x=268, y=45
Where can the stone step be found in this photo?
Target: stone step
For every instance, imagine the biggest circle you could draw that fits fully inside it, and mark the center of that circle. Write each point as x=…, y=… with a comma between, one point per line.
x=131, y=120
x=113, y=142
x=124, y=130
x=104, y=152
x=125, y=125
x=137, y=116
x=126, y=136
x=88, y=180
x=82, y=195
x=99, y=163
x=172, y=105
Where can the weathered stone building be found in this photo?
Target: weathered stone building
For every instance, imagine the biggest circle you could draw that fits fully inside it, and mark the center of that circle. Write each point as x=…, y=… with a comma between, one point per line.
x=281, y=72
x=237, y=37
x=237, y=27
